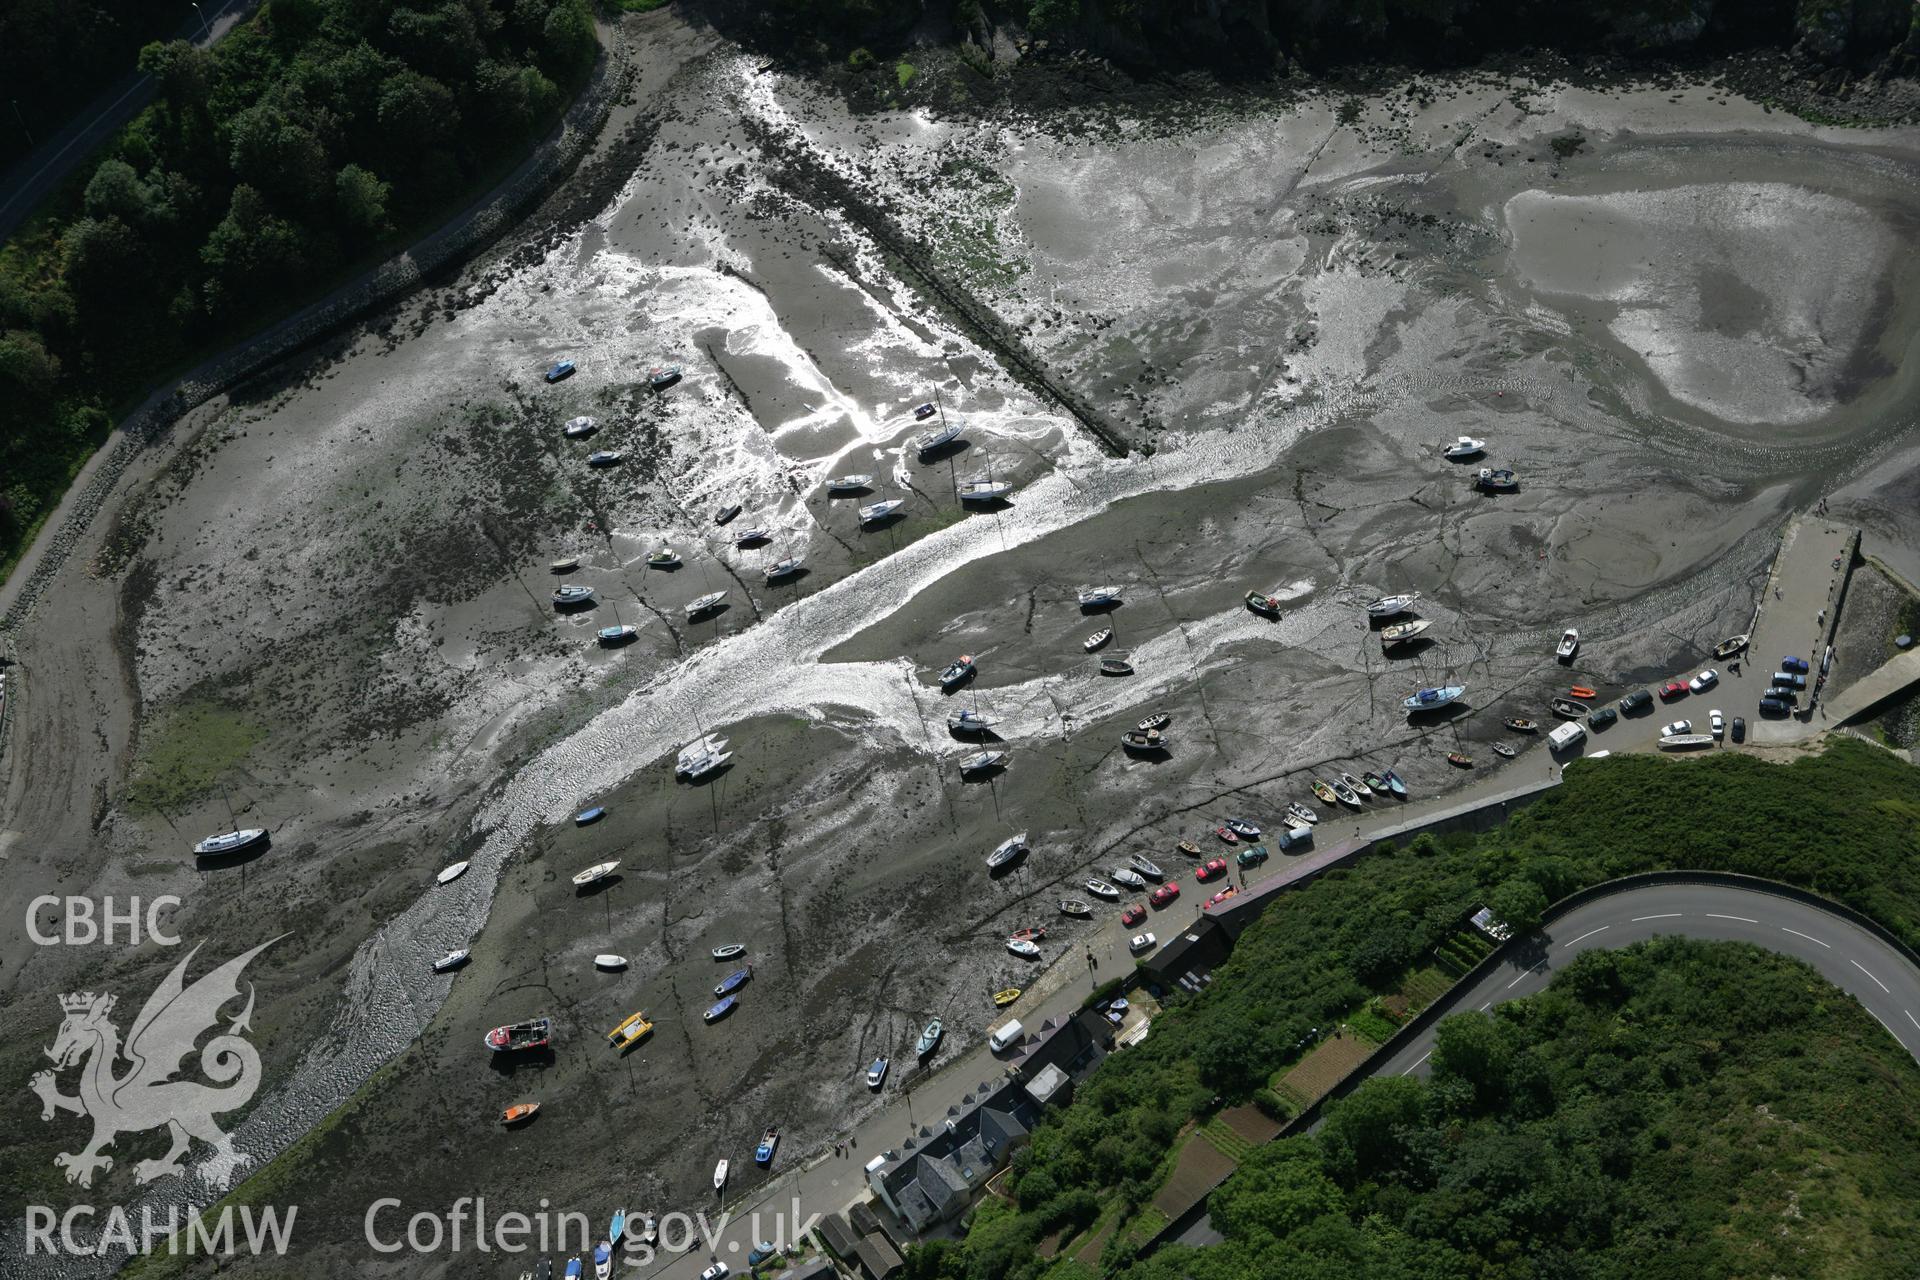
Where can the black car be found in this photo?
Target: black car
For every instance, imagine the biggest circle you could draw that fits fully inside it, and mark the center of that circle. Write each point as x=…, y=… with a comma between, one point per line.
x=1774, y=707
x=1635, y=701
x=1739, y=729
x=1602, y=718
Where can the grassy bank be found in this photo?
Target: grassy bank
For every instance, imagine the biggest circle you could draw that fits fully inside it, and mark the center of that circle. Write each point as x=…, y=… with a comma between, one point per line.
x=1845, y=823
x=317, y=137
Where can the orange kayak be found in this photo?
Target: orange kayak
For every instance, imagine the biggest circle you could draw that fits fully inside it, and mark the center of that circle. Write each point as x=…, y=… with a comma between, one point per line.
x=1581, y=691
x=519, y=1111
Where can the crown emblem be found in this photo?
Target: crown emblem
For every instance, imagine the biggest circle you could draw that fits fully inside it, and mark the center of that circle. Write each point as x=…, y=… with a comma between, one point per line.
x=82, y=1001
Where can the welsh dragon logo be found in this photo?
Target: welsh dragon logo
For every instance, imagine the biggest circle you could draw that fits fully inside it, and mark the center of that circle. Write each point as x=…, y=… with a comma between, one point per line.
x=146, y=1096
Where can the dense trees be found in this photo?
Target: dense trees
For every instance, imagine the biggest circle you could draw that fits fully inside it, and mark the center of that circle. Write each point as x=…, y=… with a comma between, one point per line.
x=304, y=140
x=1414, y=1201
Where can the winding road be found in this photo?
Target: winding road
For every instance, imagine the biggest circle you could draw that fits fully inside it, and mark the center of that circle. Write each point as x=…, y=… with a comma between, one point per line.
x=1850, y=957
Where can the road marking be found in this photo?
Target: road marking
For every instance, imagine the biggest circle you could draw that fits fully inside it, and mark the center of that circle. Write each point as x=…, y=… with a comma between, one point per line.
x=1489, y=1004
x=1910, y=1018
x=1429, y=1054
x=1809, y=937
x=1671, y=915
x=1588, y=934
x=1876, y=982
x=1714, y=915
x=1883, y=1022
x=1516, y=981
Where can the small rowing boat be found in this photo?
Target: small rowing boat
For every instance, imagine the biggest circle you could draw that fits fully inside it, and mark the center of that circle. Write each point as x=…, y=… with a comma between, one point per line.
x=449, y=874
x=1144, y=740
x=1023, y=948
x=610, y=962
x=1146, y=866
x=1394, y=783
x=1502, y=749
x=1569, y=644
x=519, y=1112
x=1264, y=605
x=1115, y=667
x=1098, y=638
x=961, y=668
x=929, y=1039
x=716, y=1012
x=1346, y=795
x=1730, y=646
x=729, y=951
x=1225, y=835
x=1356, y=786
x=1189, y=848
x=1003, y=998
x=1300, y=813
x=1322, y=792
x=1075, y=907
x=1570, y=709
x=1101, y=889
x=1242, y=828
x=1158, y=720
x=1685, y=741
x=1129, y=877
x=1375, y=783
x=1497, y=480
x=733, y=981
x=726, y=513
x=1520, y=724
x=1459, y=760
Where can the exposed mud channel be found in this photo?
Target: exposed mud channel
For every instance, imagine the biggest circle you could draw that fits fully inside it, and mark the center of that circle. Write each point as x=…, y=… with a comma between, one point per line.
x=1214, y=349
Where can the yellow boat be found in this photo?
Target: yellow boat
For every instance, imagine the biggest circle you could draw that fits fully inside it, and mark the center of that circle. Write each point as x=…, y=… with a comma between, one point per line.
x=1007, y=997
x=630, y=1032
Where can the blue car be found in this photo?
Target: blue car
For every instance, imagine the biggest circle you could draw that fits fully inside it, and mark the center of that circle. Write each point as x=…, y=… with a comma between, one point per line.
x=760, y=1253
x=564, y=369
x=1796, y=665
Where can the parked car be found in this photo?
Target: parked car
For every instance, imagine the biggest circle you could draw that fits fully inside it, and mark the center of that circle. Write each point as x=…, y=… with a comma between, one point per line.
x=1788, y=680
x=1718, y=725
x=1673, y=689
x=1791, y=663
x=1602, y=718
x=1739, y=728
x=1214, y=868
x=1133, y=915
x=1678, y=726
x=1165, y=893
x=1774, y=706
x=1141, y=942
x=760, y=1252
x=718, y=1271
x=1704, y=681
x=1252, y=855
x=1635, y=701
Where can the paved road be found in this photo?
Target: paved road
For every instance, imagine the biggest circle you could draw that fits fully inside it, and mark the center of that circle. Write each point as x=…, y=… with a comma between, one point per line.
x=1845, y=954
x=34, y=176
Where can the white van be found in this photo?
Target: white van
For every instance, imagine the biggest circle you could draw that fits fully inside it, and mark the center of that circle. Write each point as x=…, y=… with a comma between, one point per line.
x=1006, y=1036
x=1567, y=735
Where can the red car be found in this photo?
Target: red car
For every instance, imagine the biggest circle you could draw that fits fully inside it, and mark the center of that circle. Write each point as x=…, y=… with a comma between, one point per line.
x=1133, y=915
x=1166, y=893
x=1673, y=689
x=1221, y=897
x=1214, y=867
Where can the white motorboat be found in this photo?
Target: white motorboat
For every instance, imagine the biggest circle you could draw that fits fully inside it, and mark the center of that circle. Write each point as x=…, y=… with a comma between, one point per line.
x=452, y=960
x=1129, y=877
x=1463, y=448
x=605, y=458
x=1432, y=699
x=1101, y=889
x=579, y=428
x=1094, y=597
x=720, y=1176
x=1685, y=741
x=610, y=962
x=729, y=950
x=1401, y=632
x=1569, y=644
x=1300, y=813
x=616, y=635
x=971, y=722
x=699, y=750
x=880, y=510
x=569, y=595
x=594, y=874
x=1392, y=606
x=705, y=604
x=784, y=568
x=848, y=483
x=664, y=558
x=1023, y=948
x=230, y=842
x=449, y=874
